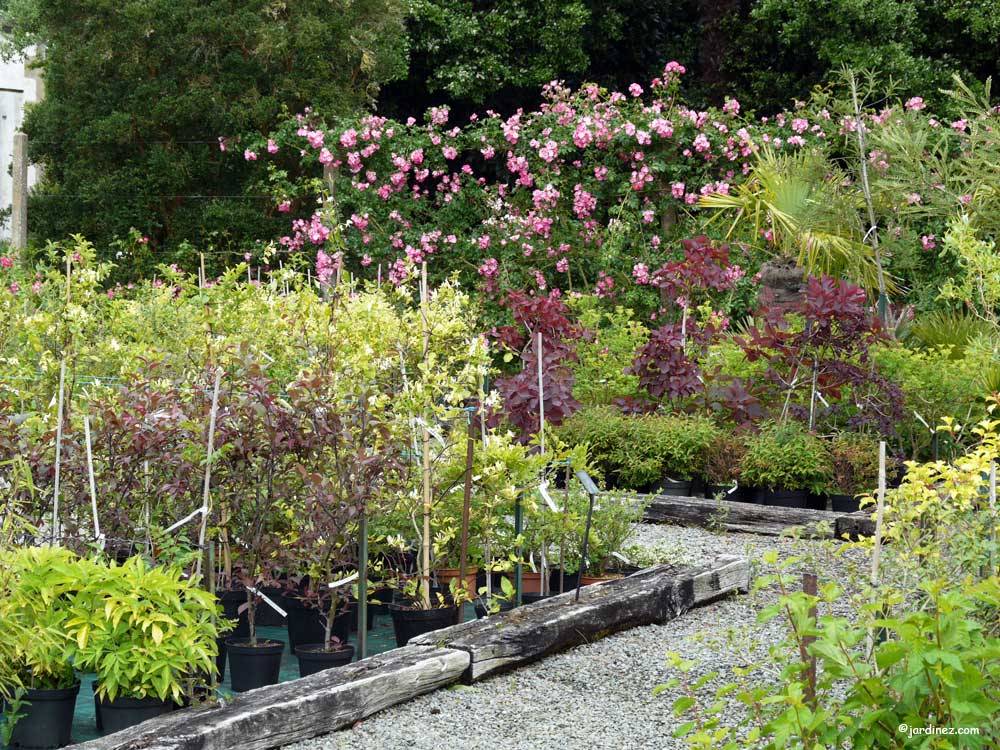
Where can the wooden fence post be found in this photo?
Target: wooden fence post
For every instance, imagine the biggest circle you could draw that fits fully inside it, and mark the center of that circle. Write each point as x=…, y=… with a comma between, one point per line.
x=19, y=199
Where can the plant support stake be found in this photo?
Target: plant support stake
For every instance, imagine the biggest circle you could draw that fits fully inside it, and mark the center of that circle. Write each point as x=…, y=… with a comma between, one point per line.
x=208, y=472
x=877, y=551
x=541, y=398
x=59, y=423
x=90, y=475
x=426, y=457
x=470, y=443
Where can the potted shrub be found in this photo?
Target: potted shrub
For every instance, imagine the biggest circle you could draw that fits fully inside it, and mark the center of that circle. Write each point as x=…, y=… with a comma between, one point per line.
x=787, y=466
x=722, y=467
x=855, y=470
x=143, y=631
x=444, y=362
x=37, y=681
x=262, y=441
x=610, y=528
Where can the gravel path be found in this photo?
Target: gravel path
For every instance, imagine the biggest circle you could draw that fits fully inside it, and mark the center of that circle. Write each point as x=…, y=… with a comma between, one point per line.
x=599, y=695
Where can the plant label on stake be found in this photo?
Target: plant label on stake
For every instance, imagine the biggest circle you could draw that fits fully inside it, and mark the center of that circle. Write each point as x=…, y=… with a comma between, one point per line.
x=194, y=514
x=344, y=581
x=267, y=600
x=543, y=490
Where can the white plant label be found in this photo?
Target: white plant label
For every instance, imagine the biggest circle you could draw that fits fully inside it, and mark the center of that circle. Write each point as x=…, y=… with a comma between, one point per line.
x=543, y=490
x=621, y=557
x=344, y=581
x=268, y=601
x=194, y=514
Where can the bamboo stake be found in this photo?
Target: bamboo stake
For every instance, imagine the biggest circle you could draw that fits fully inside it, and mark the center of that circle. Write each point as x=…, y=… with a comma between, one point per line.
x=426, y=552
x=59, y=432
x=204, y=279
x=880, y=511
x=208, y=472
x=90, y=473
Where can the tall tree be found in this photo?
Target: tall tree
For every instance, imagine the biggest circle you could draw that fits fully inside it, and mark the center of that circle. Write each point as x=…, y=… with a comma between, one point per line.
x=139, y=92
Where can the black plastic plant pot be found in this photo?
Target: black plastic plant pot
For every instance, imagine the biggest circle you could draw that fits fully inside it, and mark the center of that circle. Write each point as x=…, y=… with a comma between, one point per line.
x=739, y=495
x=220, y=658
x=352, y=616
x=532, y=598
x=312, y=658
x=788, y=499
x=123, y=712
x=308, y=624
x=46, y=719
x=482, y=611
x=672, y=487
x=383, y=596
x=845, y=503
x=251, y=667
x=409, y=623
x=266, y=616
x=231, y=601
x=569, y=581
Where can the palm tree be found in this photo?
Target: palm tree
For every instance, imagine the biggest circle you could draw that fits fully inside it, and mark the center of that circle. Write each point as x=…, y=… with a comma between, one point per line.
x=798, y=209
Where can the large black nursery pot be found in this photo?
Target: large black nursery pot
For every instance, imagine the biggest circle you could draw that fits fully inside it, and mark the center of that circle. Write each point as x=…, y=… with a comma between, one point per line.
x=231, y=601
x=482, y=610
x=352, y=616
x=265, y=615
x=532, y=597
x=313, y=658
x=308, y=624
x=220, y=658
x=251, y=667
x=845, y=503
x=409, y=622
x=124, y=712
x=46, y=719
x=672, y=487
x=789, y=499
x=739, y=495
x=569, y=581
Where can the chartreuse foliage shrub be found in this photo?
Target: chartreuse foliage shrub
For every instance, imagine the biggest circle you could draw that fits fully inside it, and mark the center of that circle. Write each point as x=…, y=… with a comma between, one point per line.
x=921, y=649
x=605, y=352
x=636, y=451
x=35, y=587
x=786, y=457
x=141, y=629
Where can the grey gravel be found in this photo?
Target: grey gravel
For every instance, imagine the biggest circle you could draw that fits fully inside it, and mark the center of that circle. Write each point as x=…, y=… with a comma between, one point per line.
x=600, y=695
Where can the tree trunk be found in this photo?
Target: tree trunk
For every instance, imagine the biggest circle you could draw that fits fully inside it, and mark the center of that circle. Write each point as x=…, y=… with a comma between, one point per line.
x=781, y=282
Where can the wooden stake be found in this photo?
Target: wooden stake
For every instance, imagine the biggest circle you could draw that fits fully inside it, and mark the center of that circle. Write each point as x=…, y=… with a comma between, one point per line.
x=208, y=472
x=59, y=432
x=19, y=199
x=93, y=484
x=204, y=279
x=470, y=443
x=809, y=587
x=880, y=511
x=426, y=552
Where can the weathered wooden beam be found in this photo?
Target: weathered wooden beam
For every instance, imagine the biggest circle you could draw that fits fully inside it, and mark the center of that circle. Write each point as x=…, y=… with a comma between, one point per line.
x=297, y=710
x=769, y=520
x=655, y=595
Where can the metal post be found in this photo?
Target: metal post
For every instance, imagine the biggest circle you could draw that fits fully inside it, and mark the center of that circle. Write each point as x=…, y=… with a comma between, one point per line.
x=583, y=552
x=19, y=199
x=363, y=588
